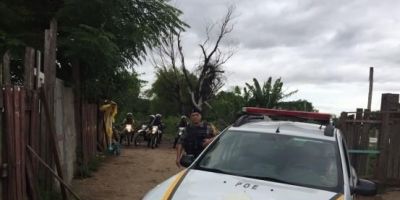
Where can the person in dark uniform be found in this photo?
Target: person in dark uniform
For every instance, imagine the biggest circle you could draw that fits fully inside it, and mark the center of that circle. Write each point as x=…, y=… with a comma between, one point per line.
x=158, y=122
x=196, y=137
x=129, y=119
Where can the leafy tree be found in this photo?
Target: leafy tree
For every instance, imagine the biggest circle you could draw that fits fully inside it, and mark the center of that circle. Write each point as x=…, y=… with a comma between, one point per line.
x=114, y=39
x=22, y=22
x=268, y=95
x=225, y=107
x=129, y=97
x=169, y=92
x=300, y=105
x=101, y=39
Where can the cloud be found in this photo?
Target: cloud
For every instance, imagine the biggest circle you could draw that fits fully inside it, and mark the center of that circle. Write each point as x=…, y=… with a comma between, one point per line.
x=320, y=47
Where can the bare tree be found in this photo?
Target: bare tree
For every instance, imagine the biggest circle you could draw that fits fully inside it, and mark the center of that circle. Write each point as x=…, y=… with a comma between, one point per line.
x=210, y=71
x=164, y=58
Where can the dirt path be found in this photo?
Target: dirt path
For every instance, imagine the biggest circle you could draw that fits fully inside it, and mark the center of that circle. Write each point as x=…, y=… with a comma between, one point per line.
x=129, y=176
x=137, y=170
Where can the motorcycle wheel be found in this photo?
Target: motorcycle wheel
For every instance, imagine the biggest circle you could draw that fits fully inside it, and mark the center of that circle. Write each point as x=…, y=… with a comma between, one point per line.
x=159, y=139
x=128, y=138
x=153, y=141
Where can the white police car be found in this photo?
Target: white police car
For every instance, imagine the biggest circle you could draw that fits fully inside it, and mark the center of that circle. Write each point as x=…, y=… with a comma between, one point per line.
x=262, y=159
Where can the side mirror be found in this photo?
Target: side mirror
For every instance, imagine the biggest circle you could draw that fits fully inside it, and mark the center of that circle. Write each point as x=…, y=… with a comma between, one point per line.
x=365, y=188
x=187, y=160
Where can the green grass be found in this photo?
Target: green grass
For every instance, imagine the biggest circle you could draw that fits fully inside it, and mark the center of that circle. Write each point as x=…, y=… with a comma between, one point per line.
x=49, y=195
x=85, y=171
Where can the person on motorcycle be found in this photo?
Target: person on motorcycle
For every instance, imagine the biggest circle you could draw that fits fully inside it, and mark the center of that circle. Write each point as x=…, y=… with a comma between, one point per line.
x=128, y=125
x=129, y=119
x=158, y=122
x=197, y=136
x=183, y=123
x=150, y=123
x=151, y=120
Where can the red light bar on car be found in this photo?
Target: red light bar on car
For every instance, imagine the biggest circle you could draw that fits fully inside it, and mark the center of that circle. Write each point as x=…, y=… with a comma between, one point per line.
x=288, y=113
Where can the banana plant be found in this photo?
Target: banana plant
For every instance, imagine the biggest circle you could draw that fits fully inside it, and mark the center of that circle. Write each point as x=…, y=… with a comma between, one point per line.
x=267, y=96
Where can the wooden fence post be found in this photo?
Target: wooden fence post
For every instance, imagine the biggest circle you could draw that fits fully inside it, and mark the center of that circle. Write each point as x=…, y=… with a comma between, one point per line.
x=51, y=128
x=383, y=144
x=49, y=62
x=364, y=143
x=10, y=148
x=2, y=138
x=2, y=144
x=6, y=69
x=29, y=63
x=38, y=69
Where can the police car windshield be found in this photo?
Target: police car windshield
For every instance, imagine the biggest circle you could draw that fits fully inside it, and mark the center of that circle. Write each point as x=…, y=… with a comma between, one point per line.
x=281, y=158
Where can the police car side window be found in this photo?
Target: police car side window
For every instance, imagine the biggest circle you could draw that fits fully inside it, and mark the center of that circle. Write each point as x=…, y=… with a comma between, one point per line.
x=346, y=157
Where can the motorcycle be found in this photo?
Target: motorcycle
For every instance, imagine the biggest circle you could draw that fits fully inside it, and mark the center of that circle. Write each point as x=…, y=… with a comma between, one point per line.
x=141, y=135
x=178, y=136
x=154, y=137
x=127, y=134
x=160, y=133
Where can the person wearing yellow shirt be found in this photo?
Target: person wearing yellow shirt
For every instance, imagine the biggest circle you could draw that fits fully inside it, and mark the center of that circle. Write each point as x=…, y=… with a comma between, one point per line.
x=110, y=110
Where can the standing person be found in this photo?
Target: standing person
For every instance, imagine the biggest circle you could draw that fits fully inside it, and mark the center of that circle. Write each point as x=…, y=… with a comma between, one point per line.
x=197, y=136
x=110, y=110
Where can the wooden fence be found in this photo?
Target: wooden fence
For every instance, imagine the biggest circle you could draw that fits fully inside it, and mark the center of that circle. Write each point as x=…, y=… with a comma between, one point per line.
x=14, y=147
x=23, y=175
x=30, y=164
x=89, y=132
x=374, y=140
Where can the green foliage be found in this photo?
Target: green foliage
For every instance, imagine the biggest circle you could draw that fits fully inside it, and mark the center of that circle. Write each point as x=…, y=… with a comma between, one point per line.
x=267, y=96
x=132, y=26
x=85, y=171
x=114, y=39
x=170, y=93
x=301, y=105
x=50, y=195
x=225, y=108
x=171, y=123
x=228, y=104
x=105, y=37
x=23, y=22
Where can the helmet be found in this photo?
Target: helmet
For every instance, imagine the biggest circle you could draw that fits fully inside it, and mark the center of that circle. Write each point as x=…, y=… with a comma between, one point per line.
x=183, y=117
x=158, y=115
x=129, y=114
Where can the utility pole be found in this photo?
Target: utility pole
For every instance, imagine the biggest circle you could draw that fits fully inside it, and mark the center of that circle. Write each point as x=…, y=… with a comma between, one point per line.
x=371, y=86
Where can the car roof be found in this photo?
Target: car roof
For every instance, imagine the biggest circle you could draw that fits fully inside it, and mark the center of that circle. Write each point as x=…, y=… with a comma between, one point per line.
x=299, y=129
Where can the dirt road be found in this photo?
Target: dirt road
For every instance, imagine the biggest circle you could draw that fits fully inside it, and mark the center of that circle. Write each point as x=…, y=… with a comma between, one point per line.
x=137, y=170
x=129, y=176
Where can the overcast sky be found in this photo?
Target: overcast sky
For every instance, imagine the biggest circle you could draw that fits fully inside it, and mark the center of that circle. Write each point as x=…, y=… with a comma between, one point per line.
x=323, y=48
